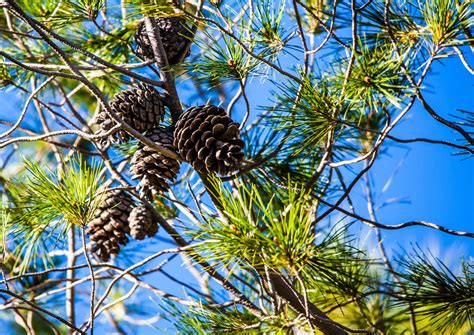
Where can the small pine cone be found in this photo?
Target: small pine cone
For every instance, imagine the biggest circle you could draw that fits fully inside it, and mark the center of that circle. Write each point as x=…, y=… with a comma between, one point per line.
x=153, y=169
x=110, y=227
x=208, y=139
x=174, y=33
x=141, y=107
x=141, y=223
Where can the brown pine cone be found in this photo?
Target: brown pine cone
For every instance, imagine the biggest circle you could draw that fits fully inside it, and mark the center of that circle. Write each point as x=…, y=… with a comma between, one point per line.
x=141, y=107
x=175, y=35
x=153, y=169
x=208, y=139
x=109, y=229
x=141, y=223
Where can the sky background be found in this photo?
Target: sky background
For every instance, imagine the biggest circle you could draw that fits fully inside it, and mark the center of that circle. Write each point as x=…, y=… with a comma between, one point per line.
x=436, y=185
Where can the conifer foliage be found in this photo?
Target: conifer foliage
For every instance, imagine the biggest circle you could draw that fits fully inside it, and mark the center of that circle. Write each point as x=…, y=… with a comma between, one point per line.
x=194, y=167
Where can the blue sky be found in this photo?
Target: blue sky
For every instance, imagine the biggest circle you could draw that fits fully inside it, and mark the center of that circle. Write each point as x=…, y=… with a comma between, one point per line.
x=439, y=186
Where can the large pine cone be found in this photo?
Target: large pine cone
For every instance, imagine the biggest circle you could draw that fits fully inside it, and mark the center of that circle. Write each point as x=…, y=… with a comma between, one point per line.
x=153, y=169
x=109, y=227
x=141, y=107
x=175, y=35
x=208, y=139
x=141, y=223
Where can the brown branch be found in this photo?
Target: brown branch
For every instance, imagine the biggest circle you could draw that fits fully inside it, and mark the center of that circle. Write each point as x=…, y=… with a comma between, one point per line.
x=167, y=75
x=45, y=311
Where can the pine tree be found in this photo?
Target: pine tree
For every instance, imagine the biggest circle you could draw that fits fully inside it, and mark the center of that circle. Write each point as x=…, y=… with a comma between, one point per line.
x=190, y=166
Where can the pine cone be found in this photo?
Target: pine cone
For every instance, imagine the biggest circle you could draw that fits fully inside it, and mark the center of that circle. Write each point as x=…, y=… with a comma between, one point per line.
x=152, y=168
x=141, y=223
x=209, y=140
x=174, y=33
x=141, y=107
x=109, y=227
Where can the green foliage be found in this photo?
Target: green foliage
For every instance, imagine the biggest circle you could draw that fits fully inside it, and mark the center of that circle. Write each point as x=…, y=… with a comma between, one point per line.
x=204, y=320
x=154, y=7
x=66, y=195
x=378, y=314
x=405, y=23
x=436, y=293
x=47, y=202
x=60, y=14
x=376, y=78
x=267, y=216
x=207, y=320
x=273, y=174
x=259, y=232
x=40, y=9
x=433, y=24
x=311, y=117
x=5, y=78
x=81, y=9
x=114, y=46
x=445, y=20
x=275, y=232
x=225, y=60
x=270, y=34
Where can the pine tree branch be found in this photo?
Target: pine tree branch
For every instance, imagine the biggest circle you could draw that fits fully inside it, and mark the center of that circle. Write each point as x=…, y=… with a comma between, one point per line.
x=295, y=300
x=372, y=154
x=369, y=222
x=416, y=85
x=441, y=120
x=70, y=274
x=409, y=140
x=206, y=266
x=274, y=297
x=244, y=47
x=92, y=274
x=43, y=310
x=44, y=32
x=79, y=67
x=283, y=289
x=32, y=22
x=167, y=75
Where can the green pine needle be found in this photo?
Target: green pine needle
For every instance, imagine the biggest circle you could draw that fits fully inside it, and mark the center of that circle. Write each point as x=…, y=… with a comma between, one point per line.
x=67, y=194
x=224, y=61
x=310, y=116
x=44, y=206
x=436, y=293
